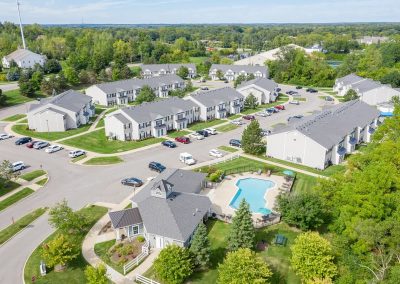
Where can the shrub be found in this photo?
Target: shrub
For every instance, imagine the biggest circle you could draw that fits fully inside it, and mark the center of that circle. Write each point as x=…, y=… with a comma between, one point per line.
x=214, y=177
x=140, y=239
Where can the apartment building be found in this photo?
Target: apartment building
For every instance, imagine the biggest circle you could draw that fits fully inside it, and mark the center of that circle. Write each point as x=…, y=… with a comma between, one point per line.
x=155, y=70
x=231, y=72
x=265, y=90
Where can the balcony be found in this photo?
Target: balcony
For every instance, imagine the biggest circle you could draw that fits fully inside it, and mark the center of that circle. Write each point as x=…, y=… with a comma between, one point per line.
x=353, y=141
x=371, y=129
x=341, y=151
x=180, y=119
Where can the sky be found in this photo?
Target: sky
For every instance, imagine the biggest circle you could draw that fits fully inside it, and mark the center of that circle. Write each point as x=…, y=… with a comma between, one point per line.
x=199, y=11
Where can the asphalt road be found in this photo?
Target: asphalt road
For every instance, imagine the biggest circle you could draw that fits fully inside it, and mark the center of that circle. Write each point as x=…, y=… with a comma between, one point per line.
x=82, y=185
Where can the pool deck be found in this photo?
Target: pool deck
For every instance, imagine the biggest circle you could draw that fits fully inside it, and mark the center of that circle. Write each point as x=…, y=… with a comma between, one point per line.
x=223, y=194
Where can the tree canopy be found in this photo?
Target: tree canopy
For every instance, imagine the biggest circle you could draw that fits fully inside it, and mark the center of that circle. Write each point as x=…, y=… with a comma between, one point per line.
x=252, y=139
x=242, y=233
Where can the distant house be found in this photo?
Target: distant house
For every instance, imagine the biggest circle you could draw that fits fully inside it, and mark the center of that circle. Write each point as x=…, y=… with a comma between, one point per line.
x=313, y=48
x=219, y=103
x=166, y=211
x=231, y=72
x=65, y=111
x=152, y=119
x=24, y=58
x=265, y=90
x=324, y=138
x=155, y=70
x=343, y=85
x=368, y=40
x=125, y=91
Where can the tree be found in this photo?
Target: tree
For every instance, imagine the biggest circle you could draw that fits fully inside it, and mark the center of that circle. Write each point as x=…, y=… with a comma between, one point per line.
x=146, y=94
x=36, y=79
x=200, y=247
x=62, y=217
x=304, y=210
x=252, y=139
x=58, y=252
x=13, y=74
x=250, y=102
x=6, y=173
x=173, y=265
x=242, y=267
x=26, y=87
x=96, y=275
x=122, y=52
x=120, y=72
x=71, y=75
x=242, y=234
x=392, y=78
x=52, y=83
x=220, y=75
x=312, y=257
x=183, y=72
x=52, y=66
x=239, y=80
x=350, y=95
x=3, y=98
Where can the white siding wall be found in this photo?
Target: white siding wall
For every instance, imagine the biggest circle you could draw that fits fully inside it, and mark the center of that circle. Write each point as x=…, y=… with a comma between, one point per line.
x=263, y=96
x=99, y=97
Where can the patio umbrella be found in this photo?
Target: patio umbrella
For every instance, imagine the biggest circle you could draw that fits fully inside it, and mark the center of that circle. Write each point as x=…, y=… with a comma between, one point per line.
x=288, y=173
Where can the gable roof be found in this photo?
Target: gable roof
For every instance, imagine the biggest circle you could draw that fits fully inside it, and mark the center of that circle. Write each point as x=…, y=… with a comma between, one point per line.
x=70, y=100
x=217, y=96
x=349, y=79
x=21, y=54
x=366, y=85
x=126, y=217
x=167, y=67
x=264, y=83
x=239, y=68
x=135, y=83
x=330, y=126
x=153, y=110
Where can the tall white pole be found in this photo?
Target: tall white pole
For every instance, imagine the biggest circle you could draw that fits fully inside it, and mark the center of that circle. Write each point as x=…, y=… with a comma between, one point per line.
x=20, y=26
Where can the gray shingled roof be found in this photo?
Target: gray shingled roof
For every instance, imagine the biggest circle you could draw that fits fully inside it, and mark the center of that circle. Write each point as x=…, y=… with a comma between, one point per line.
x=217, y=96
x=152, y=110
x=126, y=217
x=366, y=85
x=121, y=118
x=239, y=68
x=70, y=100
x=264, y=83
x=330, y=126
x=20, y=54
x=167, y=67
x=350, y=79
x=135, y=83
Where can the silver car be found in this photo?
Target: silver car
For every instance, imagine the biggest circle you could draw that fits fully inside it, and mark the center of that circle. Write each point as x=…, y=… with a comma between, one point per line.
x=40, y=145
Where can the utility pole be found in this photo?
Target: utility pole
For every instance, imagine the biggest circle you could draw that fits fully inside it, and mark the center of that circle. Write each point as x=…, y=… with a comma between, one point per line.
x=20, y=26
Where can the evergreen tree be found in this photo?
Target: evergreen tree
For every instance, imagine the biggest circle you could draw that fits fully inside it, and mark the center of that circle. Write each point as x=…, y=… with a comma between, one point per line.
x=200, y=247
x=242, y=231
x=252, y=139
x=250, y=102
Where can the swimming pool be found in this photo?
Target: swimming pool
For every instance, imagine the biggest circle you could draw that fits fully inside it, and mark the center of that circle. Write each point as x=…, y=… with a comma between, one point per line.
x=253, y=191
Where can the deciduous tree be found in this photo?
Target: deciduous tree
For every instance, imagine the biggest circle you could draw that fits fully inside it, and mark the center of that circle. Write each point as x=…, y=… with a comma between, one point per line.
x=58, y=252
x=146, y=94
x=250, y=102
x=62, y=217
x=183, y=72
x=96, y=275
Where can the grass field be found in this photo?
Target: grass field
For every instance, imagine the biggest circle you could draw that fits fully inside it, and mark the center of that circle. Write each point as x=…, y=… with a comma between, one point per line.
x=226, y=127
x=235, y=116
x=101, y=249
x=20, y=224
x=15, y=98
x=15, y=198
x=51, y=136
x=198, y=60
x=14, y=117
x=32, y=175
x=6, y=187
x=42, y=182
x=103, y=161
x=75, y=270
x=178, y=133
x=228, y=149
x=201, y=125
x=97, y=141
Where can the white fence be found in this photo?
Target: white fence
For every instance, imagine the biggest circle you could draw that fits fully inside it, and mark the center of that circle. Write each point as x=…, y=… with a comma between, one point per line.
x=135, y=262
x=141, y=279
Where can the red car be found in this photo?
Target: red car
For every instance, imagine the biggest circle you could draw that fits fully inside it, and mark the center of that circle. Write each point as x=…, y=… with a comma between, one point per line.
x=30, y=144
x=280, y=107
x=183, y=139
x=249, y=117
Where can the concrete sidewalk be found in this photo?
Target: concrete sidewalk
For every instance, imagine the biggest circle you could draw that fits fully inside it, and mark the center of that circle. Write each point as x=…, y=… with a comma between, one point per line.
x=31, y=184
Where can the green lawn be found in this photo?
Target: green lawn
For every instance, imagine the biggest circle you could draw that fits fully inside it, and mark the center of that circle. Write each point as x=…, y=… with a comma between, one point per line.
x=32, y=175
x=20, y=224
x=51, y=136
x=101, y=249
x=198, y=60
x=226, y=127
x=104, y=161
x=14, y=117
x=201, y=125
x=75, y=271
x=6, y=187
x=178, y=133
x=100, y=123
x=235, y=116
x=15, y=98
x=74, y=160
x=97, y=141
x=42, y=182
x=15, y=198
x=228, y=149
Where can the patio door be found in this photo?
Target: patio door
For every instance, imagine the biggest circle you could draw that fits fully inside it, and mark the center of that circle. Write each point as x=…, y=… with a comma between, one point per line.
x=159, y=242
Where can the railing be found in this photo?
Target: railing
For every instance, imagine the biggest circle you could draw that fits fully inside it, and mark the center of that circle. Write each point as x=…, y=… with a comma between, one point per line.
x=135, y=262
x=145, y=280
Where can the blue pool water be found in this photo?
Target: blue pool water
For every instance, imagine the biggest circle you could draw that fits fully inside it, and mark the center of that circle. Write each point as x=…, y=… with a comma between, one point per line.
x=253, y=191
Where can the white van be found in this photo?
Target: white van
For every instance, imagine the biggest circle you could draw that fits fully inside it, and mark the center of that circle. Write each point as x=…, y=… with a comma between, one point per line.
x=187, y=159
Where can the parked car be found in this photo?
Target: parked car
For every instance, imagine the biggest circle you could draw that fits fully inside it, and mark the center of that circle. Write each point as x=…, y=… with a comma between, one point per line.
x=215, y=153
x=31, y=144
x=235, y=142
x=155, y=166
x=271, y=110
x=40, y=145
x=23, y=140
x=53, y=149
x=299, y=87
x=263, y=114
x=265, y=132
x=132, y=182
x=237, y=121
x=168, y=143
x=278, y=89
x=249, y=117
x=294, y=102
x=226, y=81
x=196, y=136
x=76, y=153
x=311, y=90
x=204, y=88
x=280, y=107
x=182, y=139
x=328, y=99
x=4, y=136
x=294, y=117
x=187, y=159
x=203, y=132
x=289, y=92
x=17, y=166
x=211, y=131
